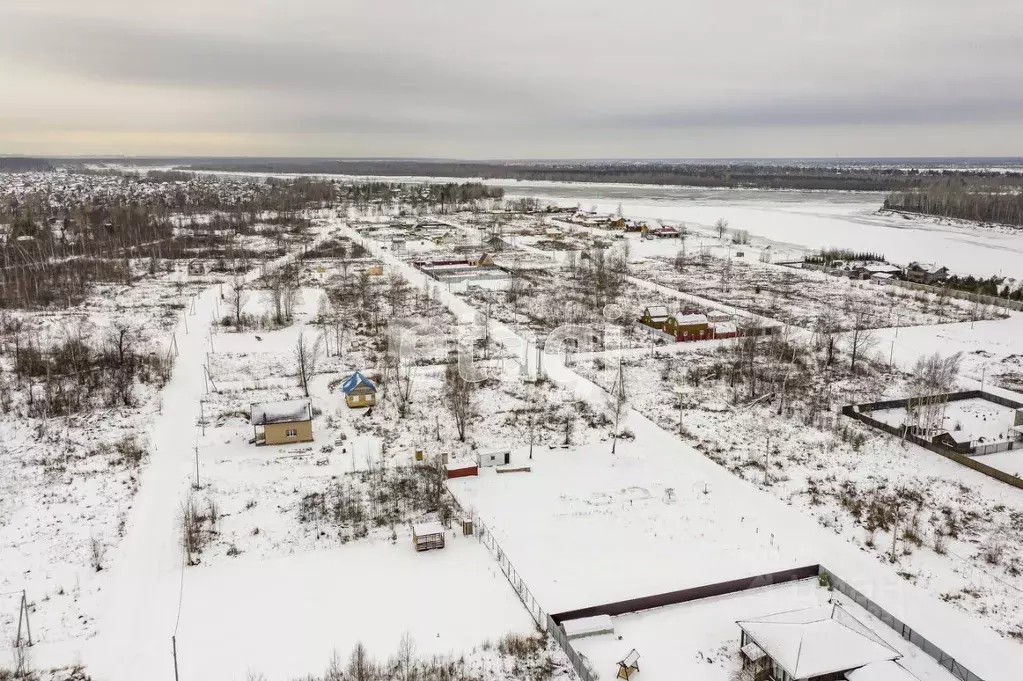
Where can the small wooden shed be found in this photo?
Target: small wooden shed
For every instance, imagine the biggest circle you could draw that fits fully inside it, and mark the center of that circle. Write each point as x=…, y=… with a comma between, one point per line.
x=426, y=536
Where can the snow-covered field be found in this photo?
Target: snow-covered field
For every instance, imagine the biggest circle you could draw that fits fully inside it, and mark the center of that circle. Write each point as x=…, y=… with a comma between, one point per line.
x=284, y=616
x=584, y=517
x=307, y=549
x=817, y=220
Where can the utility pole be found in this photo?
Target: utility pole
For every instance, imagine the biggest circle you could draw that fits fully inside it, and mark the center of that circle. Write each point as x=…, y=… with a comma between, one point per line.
x=23, y=614
x=202, y=417
x=174, y=650
x=680, y=403
x=197, y=466
x=619, y=396
x=895, y=530
x=767, y=458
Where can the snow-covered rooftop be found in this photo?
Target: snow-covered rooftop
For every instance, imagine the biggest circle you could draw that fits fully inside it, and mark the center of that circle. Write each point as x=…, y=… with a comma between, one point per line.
x=287, y=411
x=657, y=312
x=426, y=529
x=959, y=436
x=889, y=670
x=689, y=319
x=817, y=641
x=354, y=381
x=460, y=464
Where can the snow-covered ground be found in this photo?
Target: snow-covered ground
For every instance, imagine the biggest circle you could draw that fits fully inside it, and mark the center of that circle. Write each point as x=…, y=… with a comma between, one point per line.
x=1011, y=462
x=591, y=509
x=700, y=639
x=280, y=585
x=974, y=420
x=285, y=616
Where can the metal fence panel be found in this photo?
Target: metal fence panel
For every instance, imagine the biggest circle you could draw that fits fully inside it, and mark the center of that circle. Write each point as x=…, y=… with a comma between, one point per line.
x=903, y=629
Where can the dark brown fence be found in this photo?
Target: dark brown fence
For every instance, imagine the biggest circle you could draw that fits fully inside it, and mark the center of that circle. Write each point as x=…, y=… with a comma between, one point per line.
x=856, y=411
x=692, y=594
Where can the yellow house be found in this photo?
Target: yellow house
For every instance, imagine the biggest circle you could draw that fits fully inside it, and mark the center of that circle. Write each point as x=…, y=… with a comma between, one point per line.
x=282, y=422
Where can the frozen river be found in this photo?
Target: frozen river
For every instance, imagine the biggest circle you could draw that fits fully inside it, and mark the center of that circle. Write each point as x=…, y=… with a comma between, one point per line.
x=811, y=220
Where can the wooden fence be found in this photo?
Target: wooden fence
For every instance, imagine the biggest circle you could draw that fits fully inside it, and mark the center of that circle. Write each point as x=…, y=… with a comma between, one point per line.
x=953, y=293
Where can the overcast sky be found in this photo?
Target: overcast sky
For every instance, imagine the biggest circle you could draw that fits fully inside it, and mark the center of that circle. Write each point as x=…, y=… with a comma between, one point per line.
x=503, y=79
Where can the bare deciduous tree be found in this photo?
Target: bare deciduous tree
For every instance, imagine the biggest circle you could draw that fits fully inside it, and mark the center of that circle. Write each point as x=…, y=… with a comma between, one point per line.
x=399, y=362
x=934, y=377
x=459, y=394
x=405, y=660
x=360, y=665
x=236, y=298
x=397, y=293
x=517, y=288
x=721, y=226
x=307, y=354
x=335, y=670
x=192, y=535
x=531, y=418
x=826, y=330
x=861, y=339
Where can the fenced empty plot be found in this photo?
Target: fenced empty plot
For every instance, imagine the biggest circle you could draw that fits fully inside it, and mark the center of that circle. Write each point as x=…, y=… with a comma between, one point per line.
x=804, y=298
x=965, y=426
x=645, y=620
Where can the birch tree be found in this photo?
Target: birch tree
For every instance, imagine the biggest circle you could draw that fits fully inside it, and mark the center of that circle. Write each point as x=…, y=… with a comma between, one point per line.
x=307, y=353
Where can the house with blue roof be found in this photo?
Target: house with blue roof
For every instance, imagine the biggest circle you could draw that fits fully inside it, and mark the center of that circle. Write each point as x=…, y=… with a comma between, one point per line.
x=359, y=391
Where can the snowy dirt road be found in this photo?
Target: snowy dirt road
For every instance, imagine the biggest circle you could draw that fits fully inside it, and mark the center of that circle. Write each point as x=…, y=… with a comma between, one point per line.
x=138, y=610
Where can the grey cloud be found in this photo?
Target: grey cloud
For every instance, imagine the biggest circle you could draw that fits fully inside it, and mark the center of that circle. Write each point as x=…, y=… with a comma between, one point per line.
x=108, y=51
x=874, y=109
x=582, y=77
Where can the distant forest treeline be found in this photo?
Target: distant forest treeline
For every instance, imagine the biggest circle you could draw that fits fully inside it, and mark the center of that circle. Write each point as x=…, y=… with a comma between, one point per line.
x=955, y=200
x=21, y=164
x=728, y=175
